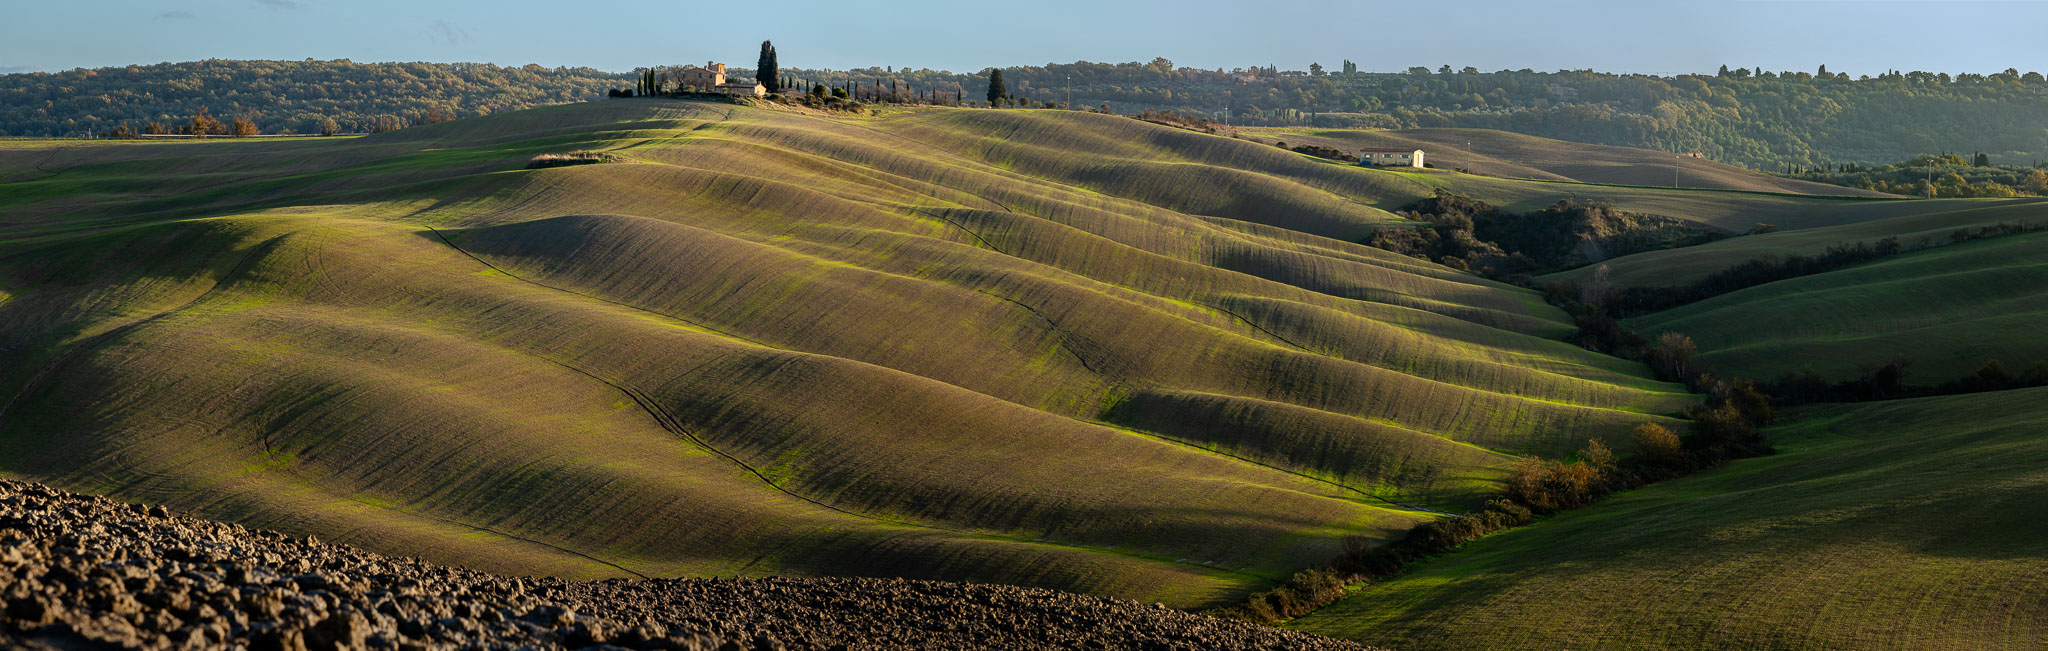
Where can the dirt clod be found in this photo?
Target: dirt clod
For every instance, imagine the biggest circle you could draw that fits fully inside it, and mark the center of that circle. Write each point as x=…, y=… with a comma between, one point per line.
x=79, y=571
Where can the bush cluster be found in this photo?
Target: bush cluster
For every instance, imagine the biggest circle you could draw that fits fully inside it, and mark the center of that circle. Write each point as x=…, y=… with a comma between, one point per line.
x=1465, y=233
x=578, y=157
x=1320, y=151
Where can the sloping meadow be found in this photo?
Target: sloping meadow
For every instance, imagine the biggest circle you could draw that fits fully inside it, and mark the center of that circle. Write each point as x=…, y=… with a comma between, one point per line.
x=1043, y=348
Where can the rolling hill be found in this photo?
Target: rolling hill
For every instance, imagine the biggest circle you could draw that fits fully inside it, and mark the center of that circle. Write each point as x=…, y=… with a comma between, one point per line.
x=1897, y=524
x=1905, y=524
x=1042, y=348
x=1913, y=222
x=1948, y=310
x=1514, y=155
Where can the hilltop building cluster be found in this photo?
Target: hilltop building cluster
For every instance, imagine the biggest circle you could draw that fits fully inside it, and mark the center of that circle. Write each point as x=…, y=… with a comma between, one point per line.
x=711, y=77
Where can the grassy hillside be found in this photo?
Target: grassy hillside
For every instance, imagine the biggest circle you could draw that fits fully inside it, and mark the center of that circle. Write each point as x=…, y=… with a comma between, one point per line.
x=1947, y=309
x=1893, y=525
x=1513, y=155
x=1913, y=222
x=1045, y=348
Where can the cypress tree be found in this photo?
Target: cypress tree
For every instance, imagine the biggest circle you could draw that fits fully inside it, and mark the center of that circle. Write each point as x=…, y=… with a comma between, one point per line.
x=764, y=70
x=996, y=91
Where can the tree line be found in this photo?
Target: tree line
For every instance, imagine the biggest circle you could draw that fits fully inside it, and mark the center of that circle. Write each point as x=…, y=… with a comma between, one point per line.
x=825, y=89
x=305, y=97
x=1928, y=175
x=1762, y=119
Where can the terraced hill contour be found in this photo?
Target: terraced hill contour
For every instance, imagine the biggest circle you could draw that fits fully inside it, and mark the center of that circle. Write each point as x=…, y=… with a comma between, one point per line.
x=1040, y=348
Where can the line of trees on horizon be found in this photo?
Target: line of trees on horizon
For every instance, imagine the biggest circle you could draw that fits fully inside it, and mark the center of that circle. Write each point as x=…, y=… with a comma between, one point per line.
x=853, y=88
x=1761, y=119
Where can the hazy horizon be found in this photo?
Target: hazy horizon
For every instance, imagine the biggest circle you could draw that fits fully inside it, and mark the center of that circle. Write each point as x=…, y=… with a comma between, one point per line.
x=1624, y=37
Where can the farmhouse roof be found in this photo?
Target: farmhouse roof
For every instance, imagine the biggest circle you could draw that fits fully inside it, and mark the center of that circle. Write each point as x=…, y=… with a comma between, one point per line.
x=1404, y=150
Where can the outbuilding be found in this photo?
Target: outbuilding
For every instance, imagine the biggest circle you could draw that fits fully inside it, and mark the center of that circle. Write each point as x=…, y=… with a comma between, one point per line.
x=1390, y=157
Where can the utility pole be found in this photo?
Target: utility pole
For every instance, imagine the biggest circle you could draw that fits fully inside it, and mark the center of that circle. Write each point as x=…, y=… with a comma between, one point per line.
x=1070, y=92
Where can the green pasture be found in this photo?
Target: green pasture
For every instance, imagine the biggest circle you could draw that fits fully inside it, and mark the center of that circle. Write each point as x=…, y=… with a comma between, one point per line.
x=1907, y=524
x=1914, y=223
x=1947, y=310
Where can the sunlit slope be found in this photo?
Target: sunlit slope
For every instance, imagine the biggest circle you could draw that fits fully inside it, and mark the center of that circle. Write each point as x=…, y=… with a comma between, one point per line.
x=1918, y=222
x=1221, y=176
x=1947, y=310
x=771, y=343
x=442, y=392
x=1882, y=525
x=1514, y=155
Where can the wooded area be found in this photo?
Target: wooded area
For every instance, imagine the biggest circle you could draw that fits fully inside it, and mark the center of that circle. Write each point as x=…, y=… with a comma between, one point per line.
x=1767, y=120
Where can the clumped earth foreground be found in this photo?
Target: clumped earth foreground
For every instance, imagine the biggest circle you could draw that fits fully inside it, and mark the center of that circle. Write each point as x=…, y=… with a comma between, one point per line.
x=80, y=571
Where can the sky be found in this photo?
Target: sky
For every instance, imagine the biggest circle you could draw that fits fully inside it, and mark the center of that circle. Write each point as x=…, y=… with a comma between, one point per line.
x=1640, y=36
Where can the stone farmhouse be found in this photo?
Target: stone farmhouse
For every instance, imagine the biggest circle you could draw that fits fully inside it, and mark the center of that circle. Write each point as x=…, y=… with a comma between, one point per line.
x=711, y=78
x=1390, y=157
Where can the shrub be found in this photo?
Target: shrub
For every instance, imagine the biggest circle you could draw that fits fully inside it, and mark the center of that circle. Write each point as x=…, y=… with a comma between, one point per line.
x=1673, y=356
x=1549, y=486
x=1658, y=446
x=1320, y=151
x=578, y=157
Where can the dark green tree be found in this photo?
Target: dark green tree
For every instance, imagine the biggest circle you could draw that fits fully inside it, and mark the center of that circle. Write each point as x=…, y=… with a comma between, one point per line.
x=996, y=92
x=764, y=70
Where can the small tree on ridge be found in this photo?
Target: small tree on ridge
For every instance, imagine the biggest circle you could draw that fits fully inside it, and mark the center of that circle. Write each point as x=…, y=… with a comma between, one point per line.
x=996, y=92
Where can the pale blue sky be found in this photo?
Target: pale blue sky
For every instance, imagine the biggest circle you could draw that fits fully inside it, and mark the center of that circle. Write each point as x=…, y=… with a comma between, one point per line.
x=1662, y=37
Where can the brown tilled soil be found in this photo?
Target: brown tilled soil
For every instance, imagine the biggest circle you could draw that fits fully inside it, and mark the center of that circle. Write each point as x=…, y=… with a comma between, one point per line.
x=79, y=571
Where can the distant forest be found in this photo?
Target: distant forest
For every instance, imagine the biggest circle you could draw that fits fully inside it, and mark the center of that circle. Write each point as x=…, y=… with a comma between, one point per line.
x=283, y=96
x=1762, y=119
x=1947, y=175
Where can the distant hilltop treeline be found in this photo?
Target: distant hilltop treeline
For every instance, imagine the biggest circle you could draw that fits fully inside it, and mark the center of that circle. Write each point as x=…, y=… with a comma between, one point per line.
x=1762, y=119
x=307, y=96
